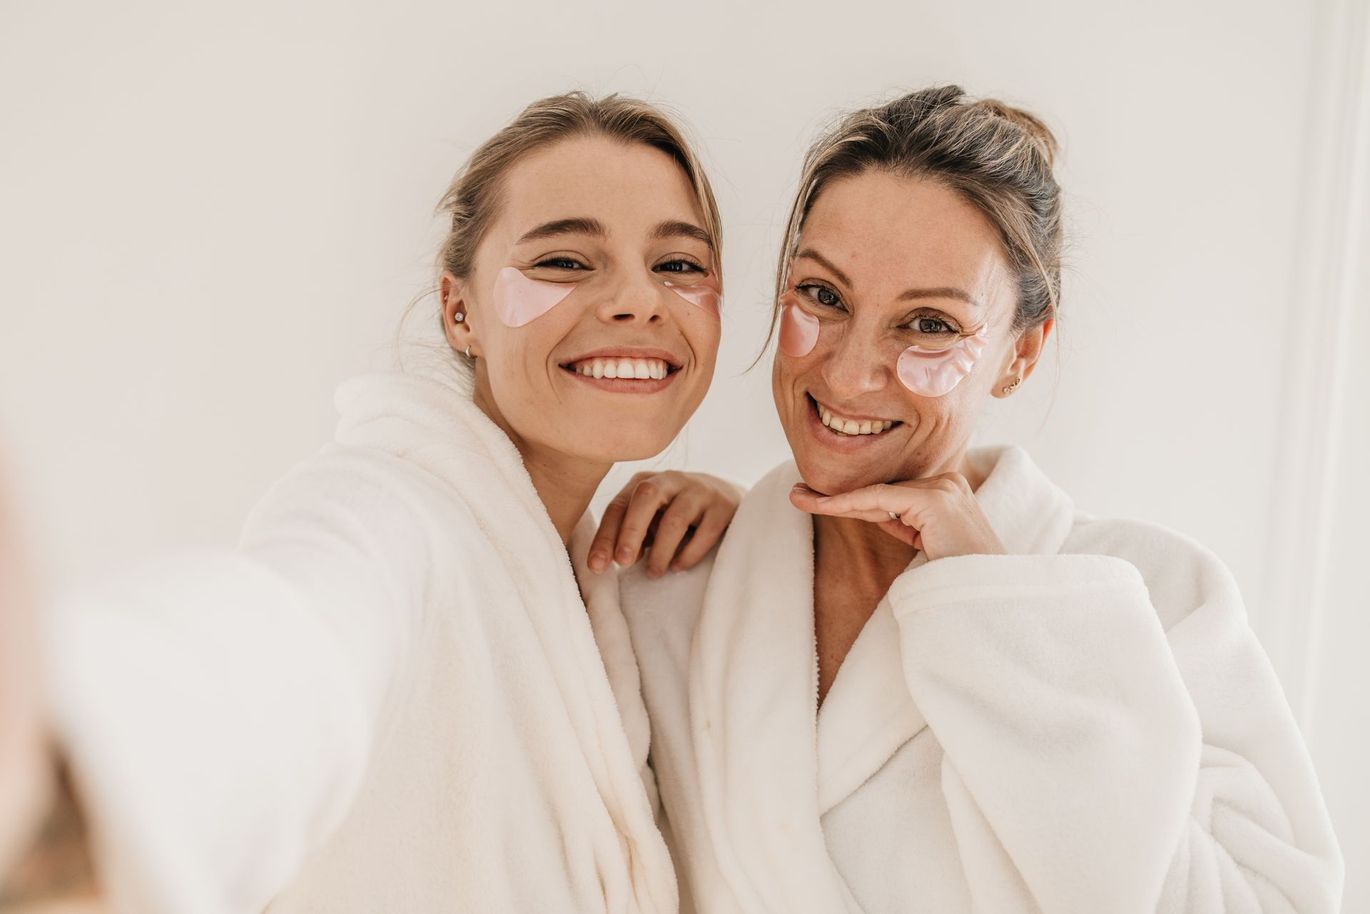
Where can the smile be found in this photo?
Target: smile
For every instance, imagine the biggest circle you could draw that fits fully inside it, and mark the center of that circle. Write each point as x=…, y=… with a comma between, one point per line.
x=625, y=369
x=637, y=369
x=850, y=427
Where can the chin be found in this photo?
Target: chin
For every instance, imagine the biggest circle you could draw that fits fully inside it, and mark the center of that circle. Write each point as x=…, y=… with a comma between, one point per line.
x=625, y=445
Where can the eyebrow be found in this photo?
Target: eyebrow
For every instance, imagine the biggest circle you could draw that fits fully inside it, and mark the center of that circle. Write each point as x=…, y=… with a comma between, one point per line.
x=906, y=295
x=580, y=225
x=576, y=226
x=674, y=228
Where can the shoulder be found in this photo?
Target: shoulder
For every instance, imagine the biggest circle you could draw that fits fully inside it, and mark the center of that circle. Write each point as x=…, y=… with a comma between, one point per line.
x=672, y=600
x=1180, y=574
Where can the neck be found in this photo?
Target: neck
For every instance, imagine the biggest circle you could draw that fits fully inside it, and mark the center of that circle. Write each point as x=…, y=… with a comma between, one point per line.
x=865, y=553
x=564, y=483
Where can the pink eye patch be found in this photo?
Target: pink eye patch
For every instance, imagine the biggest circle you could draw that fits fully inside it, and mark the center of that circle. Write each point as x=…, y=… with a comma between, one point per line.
x=798, y=331
x=935, y=372
x=700, y=296
x=519, y=300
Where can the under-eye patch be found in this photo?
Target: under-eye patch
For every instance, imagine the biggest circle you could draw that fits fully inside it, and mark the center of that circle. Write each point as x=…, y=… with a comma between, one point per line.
x=519, y=300
x=701, y=297
x=931, y=371
x=798, y=330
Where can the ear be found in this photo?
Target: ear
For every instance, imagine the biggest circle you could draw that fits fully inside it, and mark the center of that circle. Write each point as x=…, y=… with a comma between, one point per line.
x=1027, y=350
x=456, y=313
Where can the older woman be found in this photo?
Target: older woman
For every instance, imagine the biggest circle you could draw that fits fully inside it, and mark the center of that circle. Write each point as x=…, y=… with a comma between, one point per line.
x=914, y=677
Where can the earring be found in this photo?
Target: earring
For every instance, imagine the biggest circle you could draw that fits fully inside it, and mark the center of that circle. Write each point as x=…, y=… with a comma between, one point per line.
x=1009, y=388
x=458, y=317
x=468, y=352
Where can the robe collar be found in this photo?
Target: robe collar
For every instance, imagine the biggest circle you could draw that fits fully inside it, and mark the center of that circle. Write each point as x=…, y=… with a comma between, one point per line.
x=770, y=764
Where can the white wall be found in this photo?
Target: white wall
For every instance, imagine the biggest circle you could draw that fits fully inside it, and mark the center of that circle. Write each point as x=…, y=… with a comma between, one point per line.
x=210, y=215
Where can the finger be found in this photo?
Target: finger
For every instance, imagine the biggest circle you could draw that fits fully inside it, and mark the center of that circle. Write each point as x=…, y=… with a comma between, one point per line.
x=822, y=504
x=602, y=546
x=672, y=529
x=899, y=531
x=647, y=499
x=867, y=503
x=708, y=531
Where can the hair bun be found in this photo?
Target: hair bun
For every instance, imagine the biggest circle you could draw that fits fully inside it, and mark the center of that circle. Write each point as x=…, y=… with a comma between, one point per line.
x=1038, y=132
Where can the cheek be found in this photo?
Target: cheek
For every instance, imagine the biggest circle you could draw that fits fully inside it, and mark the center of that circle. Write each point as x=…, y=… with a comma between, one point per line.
x=798, y=331
x=936, y=374
x=519, y=300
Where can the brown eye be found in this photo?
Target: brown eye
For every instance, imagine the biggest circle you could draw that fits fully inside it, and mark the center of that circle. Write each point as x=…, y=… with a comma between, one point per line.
x=561, y=263
x=680, y=266
x=821, y=294
x=932, y=325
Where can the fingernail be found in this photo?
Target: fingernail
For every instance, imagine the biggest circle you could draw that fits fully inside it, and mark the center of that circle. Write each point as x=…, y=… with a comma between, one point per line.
x=624, y=555
x=597, y=561
x=654, y=573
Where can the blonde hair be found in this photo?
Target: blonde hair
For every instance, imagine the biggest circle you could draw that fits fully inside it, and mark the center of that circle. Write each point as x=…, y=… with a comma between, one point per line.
x=472, y=199
x=999, y=158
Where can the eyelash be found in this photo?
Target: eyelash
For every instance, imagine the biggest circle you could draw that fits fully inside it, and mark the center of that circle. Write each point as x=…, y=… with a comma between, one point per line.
x=570, y=263
x=814, y=290
x=559, y=263
x=690, y=266
x=946, y=327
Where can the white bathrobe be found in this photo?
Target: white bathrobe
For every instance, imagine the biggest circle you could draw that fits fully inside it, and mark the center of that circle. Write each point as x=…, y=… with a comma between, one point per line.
x=389, y=698
x=1084, y=725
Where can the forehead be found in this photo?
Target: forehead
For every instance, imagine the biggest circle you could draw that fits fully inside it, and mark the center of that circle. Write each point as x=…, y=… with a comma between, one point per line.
x=889, y=232
x=629, y=187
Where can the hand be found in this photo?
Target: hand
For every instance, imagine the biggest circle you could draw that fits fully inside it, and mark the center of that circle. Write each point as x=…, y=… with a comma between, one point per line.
x=680, y=516
x=938, y=515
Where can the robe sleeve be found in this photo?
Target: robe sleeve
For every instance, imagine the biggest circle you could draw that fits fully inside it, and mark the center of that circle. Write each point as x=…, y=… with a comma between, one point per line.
x=1113, y=741
x=217, y=705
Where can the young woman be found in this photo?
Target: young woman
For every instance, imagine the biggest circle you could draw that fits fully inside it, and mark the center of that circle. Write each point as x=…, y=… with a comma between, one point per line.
x=914, y=677
x=391, y=696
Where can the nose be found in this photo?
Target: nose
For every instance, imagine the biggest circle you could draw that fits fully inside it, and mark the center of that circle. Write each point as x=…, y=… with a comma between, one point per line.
x=636, y=297
x=853, y=366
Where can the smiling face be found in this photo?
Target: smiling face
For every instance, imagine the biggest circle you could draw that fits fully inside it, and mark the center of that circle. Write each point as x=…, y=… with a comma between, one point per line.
x=896, y=328
x=592, y=306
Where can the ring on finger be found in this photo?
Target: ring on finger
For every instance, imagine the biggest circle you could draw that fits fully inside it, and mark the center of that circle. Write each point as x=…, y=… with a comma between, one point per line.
x=894, y=515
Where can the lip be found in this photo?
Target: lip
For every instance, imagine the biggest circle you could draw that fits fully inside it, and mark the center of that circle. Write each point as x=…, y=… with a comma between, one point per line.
x=843, y=443
x=673, y=363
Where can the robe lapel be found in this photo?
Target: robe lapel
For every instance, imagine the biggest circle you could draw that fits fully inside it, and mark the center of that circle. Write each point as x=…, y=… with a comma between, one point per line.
x=753, y=710
x=868, y=713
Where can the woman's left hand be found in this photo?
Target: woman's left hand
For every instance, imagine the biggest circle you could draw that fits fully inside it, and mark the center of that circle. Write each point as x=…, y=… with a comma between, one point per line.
x=938, y=515
x=680, y=516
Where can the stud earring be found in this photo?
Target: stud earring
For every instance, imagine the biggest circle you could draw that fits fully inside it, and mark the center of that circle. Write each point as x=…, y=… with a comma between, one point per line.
x=1010, y=388
x=459, y=317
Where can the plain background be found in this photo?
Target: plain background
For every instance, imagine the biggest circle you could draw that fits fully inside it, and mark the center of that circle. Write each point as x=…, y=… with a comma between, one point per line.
x=210, y=214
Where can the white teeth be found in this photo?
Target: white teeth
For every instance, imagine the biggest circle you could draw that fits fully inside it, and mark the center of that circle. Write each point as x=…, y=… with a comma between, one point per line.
x=852, y=426
x=637, y=369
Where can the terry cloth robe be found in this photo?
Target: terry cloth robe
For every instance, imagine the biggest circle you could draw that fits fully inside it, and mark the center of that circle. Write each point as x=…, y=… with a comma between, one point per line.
x=1086, y=724
x=389, y=698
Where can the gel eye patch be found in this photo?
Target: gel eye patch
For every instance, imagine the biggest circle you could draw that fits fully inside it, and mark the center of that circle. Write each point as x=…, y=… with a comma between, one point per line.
x=519, y=300
x=798, y=331
x=701, y=297
x=935, y=372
